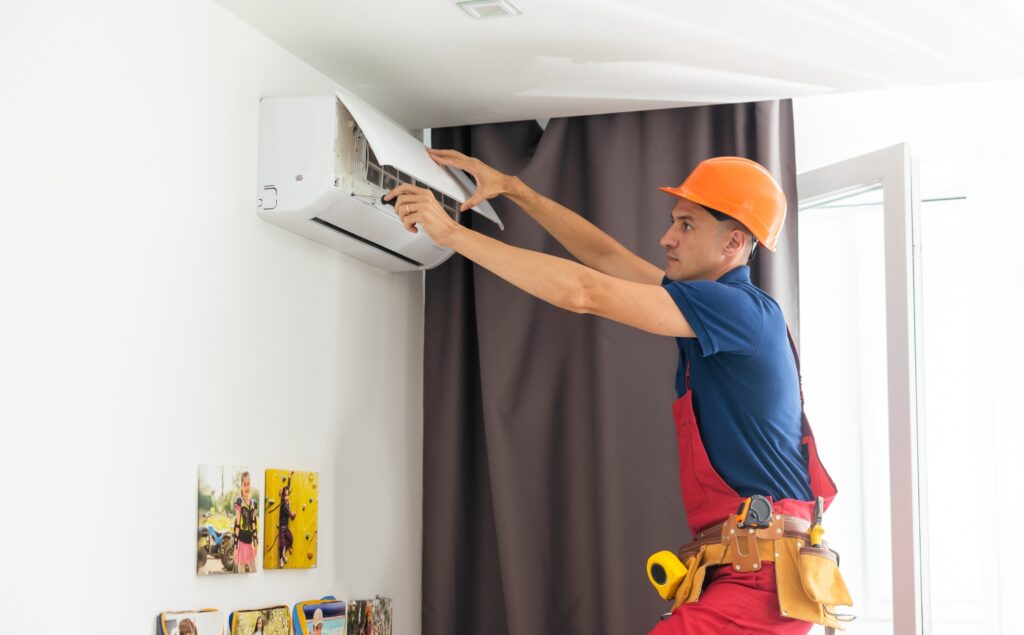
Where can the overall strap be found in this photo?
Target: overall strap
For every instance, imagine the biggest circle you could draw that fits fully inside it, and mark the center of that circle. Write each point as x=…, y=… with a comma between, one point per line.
x=806, y=426
x=820, y=481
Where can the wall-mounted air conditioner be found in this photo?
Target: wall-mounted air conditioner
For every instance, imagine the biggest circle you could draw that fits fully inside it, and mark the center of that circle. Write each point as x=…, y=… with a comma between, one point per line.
x=325, y=162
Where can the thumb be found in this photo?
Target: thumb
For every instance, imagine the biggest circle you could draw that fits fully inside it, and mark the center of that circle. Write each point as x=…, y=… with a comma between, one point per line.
x=473, y=201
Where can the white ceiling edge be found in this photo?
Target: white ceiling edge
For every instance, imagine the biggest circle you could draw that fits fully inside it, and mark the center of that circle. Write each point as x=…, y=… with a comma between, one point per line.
x=427, y=64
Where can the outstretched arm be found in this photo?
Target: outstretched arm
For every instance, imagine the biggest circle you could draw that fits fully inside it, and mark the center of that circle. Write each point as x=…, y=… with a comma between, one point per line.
x=563, y=283
x=584, y=240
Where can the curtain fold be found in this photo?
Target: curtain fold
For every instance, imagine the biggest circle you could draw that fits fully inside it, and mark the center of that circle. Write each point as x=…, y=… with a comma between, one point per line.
x=550, y=469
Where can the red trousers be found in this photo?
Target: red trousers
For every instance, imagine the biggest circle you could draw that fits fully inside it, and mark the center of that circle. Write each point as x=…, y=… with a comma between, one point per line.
x=733, y=603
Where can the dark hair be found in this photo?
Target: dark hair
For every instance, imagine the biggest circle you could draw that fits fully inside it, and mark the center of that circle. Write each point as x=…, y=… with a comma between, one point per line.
x=722, y=217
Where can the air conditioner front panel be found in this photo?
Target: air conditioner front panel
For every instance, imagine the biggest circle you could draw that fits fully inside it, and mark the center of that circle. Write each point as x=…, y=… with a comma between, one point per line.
x=394, y=146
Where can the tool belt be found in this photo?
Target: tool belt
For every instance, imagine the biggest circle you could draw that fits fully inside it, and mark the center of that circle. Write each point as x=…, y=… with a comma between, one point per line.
x=807, y=577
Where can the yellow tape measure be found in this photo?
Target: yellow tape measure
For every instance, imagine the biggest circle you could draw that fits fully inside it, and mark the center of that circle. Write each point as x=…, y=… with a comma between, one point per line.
x=665, y=572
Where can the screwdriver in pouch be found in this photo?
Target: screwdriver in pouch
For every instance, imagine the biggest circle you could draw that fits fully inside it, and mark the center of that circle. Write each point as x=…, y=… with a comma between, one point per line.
x=817, y=531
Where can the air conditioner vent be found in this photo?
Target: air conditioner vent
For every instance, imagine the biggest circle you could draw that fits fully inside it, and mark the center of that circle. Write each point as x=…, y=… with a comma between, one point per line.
x=365, y=241
x=484, y=9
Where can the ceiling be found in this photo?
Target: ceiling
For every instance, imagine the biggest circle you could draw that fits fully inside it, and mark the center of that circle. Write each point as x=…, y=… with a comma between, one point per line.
x=428, y=64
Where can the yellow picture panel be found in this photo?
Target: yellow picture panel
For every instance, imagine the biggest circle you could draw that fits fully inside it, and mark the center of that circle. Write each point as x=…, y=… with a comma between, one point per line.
x=291, y=519
x=275, y=620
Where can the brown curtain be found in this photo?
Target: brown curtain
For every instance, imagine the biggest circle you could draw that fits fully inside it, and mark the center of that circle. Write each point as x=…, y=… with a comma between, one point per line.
x=550, y=468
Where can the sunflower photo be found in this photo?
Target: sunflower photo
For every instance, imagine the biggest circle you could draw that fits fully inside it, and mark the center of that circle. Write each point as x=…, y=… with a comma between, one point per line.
x=291, y=519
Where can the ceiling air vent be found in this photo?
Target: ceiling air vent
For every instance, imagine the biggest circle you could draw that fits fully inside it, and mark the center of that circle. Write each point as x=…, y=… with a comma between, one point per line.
x=481, y=9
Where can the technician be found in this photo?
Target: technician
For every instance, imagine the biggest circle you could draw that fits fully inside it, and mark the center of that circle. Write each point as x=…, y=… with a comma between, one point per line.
x=739, y=417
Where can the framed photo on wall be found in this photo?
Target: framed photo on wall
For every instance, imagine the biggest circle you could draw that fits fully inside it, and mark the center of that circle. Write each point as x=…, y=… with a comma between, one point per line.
x=228, y=520
x=291, y=519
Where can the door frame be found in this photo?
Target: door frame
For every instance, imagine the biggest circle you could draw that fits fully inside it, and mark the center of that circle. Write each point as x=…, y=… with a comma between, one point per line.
x=894, y=169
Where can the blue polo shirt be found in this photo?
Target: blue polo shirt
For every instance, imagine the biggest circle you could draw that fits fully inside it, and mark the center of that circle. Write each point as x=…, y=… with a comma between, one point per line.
x=746, y=392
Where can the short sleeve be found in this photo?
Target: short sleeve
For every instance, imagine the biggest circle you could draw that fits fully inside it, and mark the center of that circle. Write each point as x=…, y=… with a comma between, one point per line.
x=725, y=318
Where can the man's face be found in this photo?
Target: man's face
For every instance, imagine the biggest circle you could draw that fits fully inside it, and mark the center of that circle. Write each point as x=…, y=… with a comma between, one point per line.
x=245, y=486
x=693, y=243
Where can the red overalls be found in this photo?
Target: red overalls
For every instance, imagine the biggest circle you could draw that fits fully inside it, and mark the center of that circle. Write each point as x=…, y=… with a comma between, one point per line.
x=734, y=602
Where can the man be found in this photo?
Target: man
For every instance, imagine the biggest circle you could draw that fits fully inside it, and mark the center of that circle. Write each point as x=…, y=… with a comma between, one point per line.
x=739, y=409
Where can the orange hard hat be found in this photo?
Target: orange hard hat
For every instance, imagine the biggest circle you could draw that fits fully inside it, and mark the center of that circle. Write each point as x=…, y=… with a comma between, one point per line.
x=739, y=188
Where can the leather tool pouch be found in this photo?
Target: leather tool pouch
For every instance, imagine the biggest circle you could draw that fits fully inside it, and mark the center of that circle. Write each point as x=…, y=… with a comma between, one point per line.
x=689, y=590
x=819, y=574
x=809, y=583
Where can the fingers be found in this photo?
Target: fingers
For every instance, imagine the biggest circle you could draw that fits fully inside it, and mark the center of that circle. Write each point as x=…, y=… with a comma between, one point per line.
x=409, y=219
x=407, y=199
x=406, y=188
x=446, y=154
x=409, y=212
x=450, y=157
x=406, y=208
x=413, y=205
x=472, y=202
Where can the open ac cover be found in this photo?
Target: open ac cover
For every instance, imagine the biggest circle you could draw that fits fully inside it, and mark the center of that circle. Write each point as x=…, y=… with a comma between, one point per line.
x=325, y=162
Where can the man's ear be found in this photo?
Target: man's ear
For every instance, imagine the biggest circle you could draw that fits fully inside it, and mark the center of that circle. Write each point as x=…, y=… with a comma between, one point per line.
x=737, y=242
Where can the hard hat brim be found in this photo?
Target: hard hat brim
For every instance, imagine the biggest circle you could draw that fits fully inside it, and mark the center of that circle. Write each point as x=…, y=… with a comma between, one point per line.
x=679, y=193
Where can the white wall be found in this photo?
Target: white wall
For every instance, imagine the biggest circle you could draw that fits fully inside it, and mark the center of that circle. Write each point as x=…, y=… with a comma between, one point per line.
x=150, y=322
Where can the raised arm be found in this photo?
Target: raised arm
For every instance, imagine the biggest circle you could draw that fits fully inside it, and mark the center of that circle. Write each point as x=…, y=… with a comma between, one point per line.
x=584, y=240
x=563, y=283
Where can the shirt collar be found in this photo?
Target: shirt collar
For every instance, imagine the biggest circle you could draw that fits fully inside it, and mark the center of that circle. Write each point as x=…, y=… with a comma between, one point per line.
x=739, y=274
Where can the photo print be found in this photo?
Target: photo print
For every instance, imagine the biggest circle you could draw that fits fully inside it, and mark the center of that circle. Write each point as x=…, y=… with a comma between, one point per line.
x=270, y=621
x=291, y=519
x=228, y=535
x=360, y=617
x=382, y=616
x=324, y=618
x=190, y=623
x=370, y=617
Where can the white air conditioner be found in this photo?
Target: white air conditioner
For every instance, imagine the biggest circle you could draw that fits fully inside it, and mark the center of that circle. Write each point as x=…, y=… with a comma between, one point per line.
x=325, y=163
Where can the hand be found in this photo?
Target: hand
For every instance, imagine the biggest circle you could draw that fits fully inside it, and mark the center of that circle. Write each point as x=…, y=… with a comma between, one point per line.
x=489, y=182
x=416, y=205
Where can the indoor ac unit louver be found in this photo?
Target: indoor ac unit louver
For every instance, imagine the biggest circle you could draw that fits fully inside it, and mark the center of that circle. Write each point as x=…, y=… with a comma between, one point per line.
x=325, y=162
